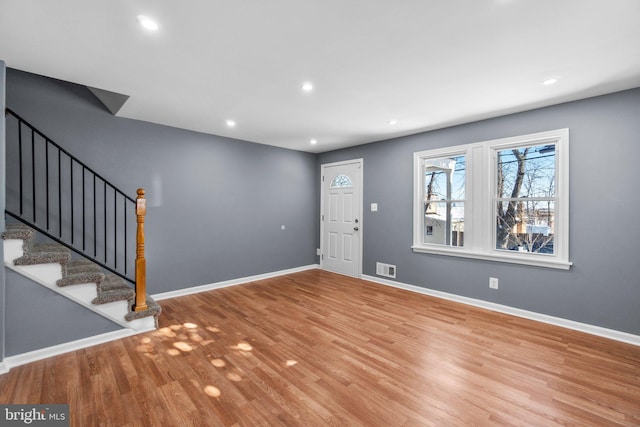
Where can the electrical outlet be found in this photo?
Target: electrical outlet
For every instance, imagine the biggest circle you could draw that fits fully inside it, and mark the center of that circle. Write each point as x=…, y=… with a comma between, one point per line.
x=318, y=251
x=493, y=282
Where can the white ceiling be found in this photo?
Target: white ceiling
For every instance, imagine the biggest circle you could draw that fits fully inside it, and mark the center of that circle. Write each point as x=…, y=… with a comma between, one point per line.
x=425, y=63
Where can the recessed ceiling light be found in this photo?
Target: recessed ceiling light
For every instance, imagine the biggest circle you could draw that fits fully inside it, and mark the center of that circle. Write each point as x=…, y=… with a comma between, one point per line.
x=313, y=142
x=307, y=87
x=230, y=123
x=393, y=122
x=551, y=81
x=147, y=23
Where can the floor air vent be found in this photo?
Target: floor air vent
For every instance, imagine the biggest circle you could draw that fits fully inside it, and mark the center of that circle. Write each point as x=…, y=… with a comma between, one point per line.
x=386, y=270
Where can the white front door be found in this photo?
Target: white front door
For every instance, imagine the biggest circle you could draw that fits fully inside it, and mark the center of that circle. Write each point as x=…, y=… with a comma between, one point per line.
x=341, y=217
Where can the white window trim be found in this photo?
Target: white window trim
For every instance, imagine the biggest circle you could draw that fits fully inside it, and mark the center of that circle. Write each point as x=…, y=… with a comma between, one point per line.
x=480, y=182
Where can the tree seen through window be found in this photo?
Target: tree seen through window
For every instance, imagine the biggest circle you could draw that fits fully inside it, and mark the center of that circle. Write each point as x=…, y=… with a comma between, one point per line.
x=525, y=199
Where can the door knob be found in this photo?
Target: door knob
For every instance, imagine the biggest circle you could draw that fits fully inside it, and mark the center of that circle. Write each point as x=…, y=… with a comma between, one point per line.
x=356, y=228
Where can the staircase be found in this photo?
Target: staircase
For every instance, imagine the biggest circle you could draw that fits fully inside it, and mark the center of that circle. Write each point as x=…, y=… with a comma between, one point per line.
x=79, y=279
x=75, y=232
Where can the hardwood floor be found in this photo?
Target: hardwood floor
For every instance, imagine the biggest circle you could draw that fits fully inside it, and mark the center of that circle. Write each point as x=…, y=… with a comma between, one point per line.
x=317, y=349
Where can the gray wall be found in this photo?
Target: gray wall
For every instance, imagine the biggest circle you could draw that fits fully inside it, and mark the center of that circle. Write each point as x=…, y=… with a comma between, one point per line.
x=2, y=197
x=603, y=286
x=38, y=318
x=216, y=205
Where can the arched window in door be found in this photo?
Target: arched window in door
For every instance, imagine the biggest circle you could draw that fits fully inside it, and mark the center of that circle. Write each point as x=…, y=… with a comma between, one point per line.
x=341, y=181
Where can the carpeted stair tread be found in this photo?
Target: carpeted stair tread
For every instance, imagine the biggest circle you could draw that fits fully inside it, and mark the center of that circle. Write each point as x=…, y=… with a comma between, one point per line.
x=79, y=265
x=78, y=277
x=154, y=309
x=44, y=253
x=111, y=289
x=104, y=287
x=111, y=281
x=17, y=231
x=124, y=293
x=20, y=232
x=112, y=278
x=82, y=262
x=78, y=270
x=49, y=247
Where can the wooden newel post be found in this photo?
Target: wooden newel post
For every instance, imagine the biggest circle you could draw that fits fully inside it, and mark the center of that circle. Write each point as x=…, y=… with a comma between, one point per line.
x=141, y=263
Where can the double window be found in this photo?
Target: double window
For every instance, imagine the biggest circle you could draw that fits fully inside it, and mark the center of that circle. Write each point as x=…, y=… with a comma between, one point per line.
x=502, y=200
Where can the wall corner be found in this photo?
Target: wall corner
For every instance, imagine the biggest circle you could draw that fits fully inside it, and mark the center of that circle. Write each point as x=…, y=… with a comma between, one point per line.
x=3, y=74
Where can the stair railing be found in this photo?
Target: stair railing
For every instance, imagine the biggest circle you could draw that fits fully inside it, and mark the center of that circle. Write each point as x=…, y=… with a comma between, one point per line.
x=55, y=193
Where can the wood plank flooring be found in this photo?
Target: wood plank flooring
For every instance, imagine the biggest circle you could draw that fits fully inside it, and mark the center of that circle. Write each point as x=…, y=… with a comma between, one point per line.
x=319, y=349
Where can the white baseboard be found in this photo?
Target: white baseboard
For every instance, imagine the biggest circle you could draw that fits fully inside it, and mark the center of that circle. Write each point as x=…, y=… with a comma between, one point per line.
x=43, y=353
x=557, y=321
x=232, y=282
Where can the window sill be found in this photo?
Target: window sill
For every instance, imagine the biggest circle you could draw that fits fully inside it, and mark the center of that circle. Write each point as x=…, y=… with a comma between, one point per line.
x=533, y=260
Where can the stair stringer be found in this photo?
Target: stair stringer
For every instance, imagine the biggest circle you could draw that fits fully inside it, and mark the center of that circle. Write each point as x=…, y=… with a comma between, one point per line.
x=48, y=274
